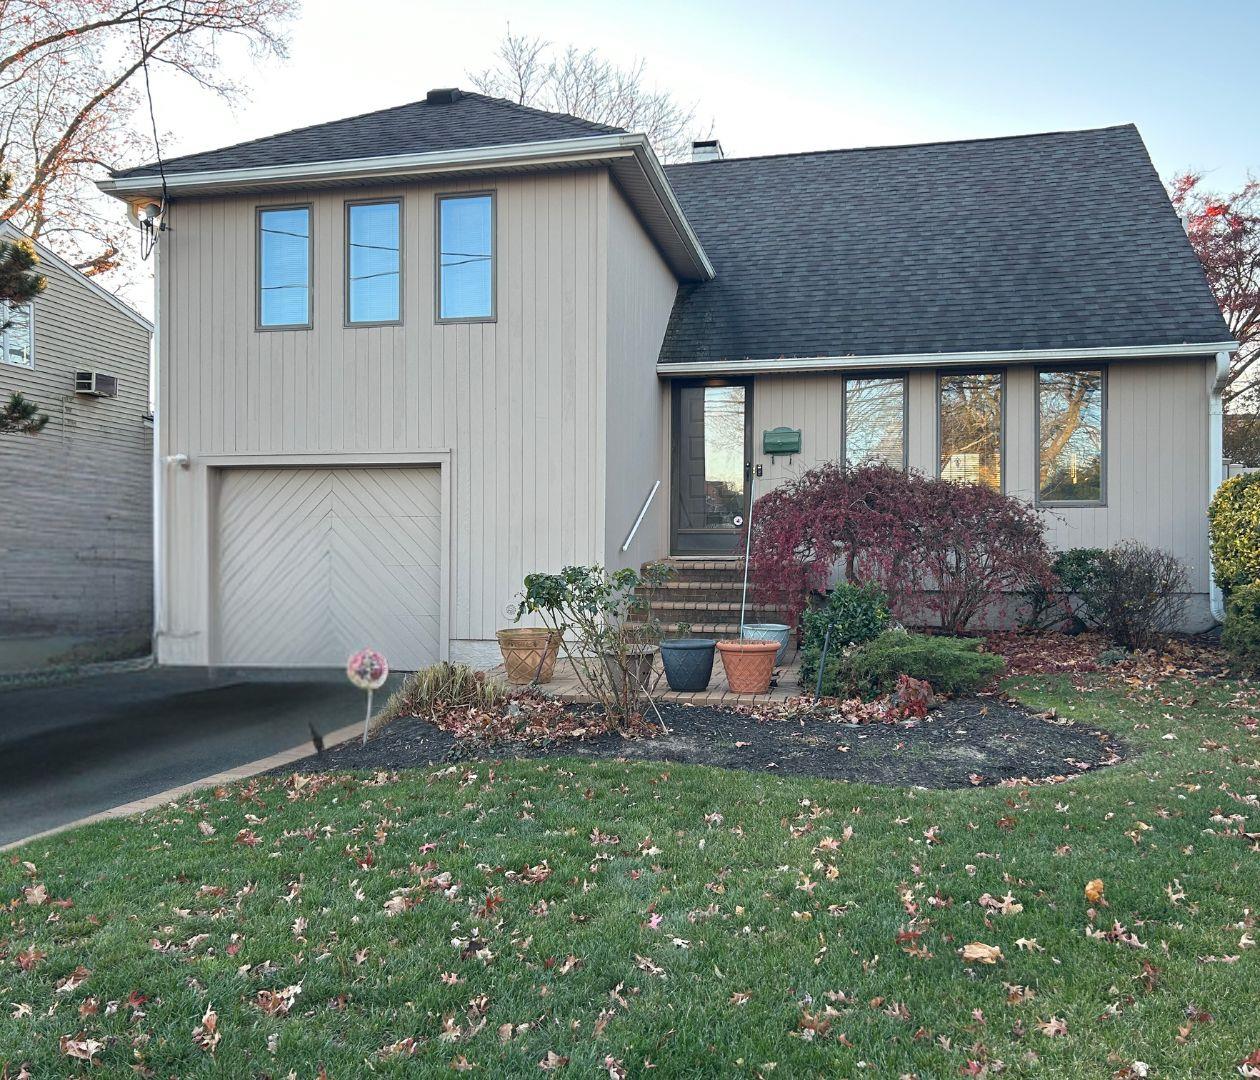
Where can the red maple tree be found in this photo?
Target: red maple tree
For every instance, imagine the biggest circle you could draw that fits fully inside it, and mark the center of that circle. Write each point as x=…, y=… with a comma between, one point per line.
x=1224, y=230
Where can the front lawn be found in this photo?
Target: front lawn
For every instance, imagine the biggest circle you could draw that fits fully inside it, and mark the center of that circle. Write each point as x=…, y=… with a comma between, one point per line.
x=499, y=917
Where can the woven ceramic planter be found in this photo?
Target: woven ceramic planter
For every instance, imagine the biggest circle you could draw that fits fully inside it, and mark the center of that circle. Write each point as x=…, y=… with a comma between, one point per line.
x=688, y=662
x=529, y=651
x=748, y=664
x=639, y=660
x=770, y=631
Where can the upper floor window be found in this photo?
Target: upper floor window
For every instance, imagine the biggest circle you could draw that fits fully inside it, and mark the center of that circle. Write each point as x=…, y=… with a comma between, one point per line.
x=17, y=338
x=284, y=267
x=875, y=422
x=969, y=410
x=466, y=256
x=373, y=264
x=1070, y=409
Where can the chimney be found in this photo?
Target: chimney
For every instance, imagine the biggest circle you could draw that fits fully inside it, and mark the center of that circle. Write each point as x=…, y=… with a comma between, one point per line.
x=706, y=150
x=446, y=96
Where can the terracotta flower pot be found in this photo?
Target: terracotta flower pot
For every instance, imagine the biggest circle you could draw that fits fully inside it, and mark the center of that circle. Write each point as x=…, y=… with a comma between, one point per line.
x=748, y=664
x=529, y=651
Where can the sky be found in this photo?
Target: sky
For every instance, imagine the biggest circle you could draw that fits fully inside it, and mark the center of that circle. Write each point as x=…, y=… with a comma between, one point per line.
x=785, y=76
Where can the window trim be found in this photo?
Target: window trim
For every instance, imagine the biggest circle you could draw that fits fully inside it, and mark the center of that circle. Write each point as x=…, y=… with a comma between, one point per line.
x=30, y=322
x=310, y=267
x=1104, y=372
x=355, y=324
x=1001, y=373
x=873, y=376
x=438, y=199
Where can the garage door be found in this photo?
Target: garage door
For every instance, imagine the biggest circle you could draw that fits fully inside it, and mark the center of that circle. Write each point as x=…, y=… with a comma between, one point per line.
x=313, y=564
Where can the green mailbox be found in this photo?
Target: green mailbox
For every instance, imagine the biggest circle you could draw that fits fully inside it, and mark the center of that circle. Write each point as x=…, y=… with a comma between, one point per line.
x=781, y=441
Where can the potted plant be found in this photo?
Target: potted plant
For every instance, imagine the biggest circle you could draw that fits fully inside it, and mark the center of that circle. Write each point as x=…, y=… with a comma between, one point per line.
x=612, y=655
x=749, y=664
x=688, y=661
x=769, y=631
x=529, y=653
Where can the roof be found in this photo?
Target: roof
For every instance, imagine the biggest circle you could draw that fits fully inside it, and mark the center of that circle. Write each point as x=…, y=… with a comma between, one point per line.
x=468, y=121
x=10, y=232
x=1056, y=241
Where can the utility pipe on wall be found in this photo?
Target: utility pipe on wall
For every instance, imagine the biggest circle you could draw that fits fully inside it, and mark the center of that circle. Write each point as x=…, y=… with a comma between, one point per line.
x=1217, y=376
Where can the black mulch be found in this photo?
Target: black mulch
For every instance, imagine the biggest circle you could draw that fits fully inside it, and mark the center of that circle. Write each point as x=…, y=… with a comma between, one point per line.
x=962, y=743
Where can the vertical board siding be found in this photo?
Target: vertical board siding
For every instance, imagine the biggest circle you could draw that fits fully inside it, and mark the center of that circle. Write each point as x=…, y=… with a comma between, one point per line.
x=641, y=292
x=75, y=537
x=518, y=401
x=1156, y=447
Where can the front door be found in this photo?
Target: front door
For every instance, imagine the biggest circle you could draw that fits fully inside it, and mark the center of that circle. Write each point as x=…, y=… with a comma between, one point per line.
x=712, y=462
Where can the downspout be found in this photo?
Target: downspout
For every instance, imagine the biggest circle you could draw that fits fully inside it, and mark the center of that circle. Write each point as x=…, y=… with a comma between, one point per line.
x=159, y=485
x=1217, y=376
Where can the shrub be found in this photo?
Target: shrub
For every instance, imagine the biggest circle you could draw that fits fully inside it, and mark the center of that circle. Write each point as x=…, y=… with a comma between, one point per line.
x=1135, y=595
x=855, y=613
x=440, y=687
x=1049, y=603
x=1241, y=636
x=1234, y=530
x=949, y=665
x=955, y=547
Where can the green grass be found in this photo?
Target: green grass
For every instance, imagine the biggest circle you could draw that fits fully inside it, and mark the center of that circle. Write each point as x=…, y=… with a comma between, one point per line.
x=763, y=921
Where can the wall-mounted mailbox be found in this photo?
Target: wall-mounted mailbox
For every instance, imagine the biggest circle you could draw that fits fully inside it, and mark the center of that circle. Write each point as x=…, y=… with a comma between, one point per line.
x=781, y=440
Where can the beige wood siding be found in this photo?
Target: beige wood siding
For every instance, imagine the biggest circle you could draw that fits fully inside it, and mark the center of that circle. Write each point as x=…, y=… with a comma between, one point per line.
x=75, y=538
x=641, y=292
x=519, y=403
x=1156, y=447
x=312, y=564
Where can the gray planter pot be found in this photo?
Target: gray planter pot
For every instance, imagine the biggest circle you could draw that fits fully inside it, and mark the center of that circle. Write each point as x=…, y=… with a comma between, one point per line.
x=769, y=631
x=639, y=661
x=688, y=662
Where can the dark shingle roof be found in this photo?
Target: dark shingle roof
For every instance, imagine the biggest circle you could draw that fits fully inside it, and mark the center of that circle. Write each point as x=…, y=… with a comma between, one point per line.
x=471, y=120
x=1054, y=241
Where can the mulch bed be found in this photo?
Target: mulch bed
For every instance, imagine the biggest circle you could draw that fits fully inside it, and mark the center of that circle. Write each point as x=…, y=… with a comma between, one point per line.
x=961, y=743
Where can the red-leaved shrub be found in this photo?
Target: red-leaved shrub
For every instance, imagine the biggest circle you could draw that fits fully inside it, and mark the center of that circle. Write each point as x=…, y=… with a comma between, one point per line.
x=948, y=547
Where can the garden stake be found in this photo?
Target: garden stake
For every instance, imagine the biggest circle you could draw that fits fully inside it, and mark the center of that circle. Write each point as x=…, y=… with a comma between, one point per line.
x=368, y=718
x=823, y=661
x=743, y=600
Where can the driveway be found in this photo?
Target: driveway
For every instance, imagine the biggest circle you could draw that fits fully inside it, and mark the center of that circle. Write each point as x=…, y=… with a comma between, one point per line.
x=77, y=748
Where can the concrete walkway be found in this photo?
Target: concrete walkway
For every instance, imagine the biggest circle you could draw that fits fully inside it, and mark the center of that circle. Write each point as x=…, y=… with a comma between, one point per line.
x=77, y=748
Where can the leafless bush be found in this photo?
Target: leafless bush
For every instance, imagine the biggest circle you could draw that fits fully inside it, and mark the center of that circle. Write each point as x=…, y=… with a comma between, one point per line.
x=1135, y=595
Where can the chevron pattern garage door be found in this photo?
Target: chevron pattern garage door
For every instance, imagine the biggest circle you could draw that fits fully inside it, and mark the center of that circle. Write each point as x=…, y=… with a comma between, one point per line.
x=313, y=564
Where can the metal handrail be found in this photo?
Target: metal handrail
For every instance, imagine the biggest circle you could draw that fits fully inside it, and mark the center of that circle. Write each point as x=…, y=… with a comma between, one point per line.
x=642, y=513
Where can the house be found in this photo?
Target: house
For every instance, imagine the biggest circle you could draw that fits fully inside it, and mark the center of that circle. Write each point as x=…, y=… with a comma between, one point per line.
x=76, y=531
x=408, y=357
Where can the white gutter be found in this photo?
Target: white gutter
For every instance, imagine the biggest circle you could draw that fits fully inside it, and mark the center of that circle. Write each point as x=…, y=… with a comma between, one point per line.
x=1217, y=376
x=774, y=366
x=555, y=151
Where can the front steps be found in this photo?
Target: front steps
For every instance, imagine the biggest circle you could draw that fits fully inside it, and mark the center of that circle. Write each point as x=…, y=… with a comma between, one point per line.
x=704, y=593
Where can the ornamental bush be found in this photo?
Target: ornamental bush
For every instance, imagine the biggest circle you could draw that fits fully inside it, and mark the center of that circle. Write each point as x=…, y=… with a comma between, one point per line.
x=1051, y=606
x=855, y=613
x=1241, y=636
x=950, y=665
x=1135, y=595
x=949, y=547
x=1234, y=530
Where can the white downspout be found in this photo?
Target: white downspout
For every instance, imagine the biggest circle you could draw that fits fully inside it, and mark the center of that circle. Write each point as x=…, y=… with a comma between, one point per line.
x=159, y=467
x=1217, y=376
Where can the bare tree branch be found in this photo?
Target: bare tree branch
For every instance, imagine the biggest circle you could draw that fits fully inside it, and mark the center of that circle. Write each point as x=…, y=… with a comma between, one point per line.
x=580, y=82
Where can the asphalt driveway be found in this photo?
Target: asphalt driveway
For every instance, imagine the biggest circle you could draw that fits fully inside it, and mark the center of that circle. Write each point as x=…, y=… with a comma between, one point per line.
x=80, y=747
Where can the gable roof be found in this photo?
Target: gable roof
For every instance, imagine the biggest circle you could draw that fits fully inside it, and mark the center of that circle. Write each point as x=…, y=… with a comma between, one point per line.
x=1039, y=242
x=10, y=232
x=419, y=127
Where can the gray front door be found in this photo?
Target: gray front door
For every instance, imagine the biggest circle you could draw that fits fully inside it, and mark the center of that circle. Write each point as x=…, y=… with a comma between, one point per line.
x=712, y=457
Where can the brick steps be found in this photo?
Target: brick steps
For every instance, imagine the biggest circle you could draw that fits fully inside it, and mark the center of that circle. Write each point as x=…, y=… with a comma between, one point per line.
x=706, y=594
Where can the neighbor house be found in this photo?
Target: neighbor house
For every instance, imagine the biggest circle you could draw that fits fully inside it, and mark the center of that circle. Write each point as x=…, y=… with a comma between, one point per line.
x=76, y=525
x=408, y=357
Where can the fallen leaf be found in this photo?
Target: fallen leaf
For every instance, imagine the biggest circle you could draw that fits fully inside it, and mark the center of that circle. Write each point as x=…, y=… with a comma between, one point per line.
x=979, y=952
